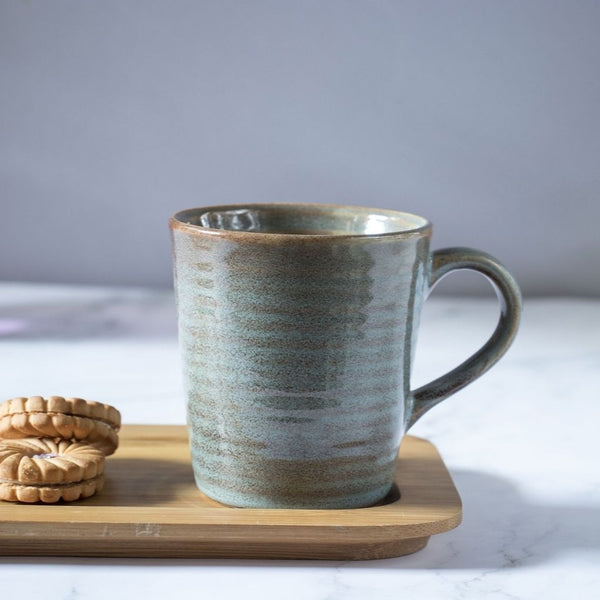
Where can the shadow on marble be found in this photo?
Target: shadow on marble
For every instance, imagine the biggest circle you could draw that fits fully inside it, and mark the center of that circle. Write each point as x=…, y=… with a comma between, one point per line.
x=502, y=529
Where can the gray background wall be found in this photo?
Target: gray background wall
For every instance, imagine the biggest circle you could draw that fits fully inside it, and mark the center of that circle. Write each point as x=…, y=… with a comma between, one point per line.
x=481, y=115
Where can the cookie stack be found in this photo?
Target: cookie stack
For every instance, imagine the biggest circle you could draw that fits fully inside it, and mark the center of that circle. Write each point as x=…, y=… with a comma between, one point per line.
x=54, y=448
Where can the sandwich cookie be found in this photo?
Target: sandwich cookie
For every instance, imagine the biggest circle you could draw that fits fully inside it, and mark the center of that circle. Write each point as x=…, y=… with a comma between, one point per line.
x=47, y=470
x=73, y=419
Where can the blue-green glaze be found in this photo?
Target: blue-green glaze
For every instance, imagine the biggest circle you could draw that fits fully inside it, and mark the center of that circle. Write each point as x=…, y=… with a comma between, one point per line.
x=297, y=326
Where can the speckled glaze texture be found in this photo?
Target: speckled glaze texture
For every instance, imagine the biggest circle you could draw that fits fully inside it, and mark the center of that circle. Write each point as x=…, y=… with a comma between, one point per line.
x=297, y=327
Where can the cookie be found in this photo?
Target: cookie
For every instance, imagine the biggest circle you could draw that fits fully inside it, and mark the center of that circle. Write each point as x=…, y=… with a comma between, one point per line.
x=46, y=470
x=57, y=417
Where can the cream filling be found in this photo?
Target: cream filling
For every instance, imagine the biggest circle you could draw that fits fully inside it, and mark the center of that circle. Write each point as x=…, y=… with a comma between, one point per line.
x=52, y=413
x=50, y=485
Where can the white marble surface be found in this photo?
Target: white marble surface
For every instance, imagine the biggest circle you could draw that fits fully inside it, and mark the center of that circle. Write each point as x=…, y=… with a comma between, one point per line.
x=521, y=444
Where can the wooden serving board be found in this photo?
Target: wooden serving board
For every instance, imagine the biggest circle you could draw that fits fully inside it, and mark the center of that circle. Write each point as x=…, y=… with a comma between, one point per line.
x=150, y=507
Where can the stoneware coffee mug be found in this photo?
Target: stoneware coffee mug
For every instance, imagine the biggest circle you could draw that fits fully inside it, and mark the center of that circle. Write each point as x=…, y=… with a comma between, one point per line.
x=297, y=326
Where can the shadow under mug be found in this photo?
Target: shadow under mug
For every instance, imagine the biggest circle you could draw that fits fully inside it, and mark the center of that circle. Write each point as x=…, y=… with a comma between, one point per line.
x=297, y=327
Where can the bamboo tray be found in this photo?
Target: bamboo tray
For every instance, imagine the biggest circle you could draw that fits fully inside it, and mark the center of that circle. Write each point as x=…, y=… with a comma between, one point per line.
x=150, y=507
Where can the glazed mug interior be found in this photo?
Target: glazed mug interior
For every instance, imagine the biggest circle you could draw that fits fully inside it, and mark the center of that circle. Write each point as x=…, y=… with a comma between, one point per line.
x=304, y=219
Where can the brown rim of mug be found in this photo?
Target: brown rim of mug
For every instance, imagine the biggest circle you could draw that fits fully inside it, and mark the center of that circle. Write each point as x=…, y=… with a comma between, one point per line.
x=175, y=222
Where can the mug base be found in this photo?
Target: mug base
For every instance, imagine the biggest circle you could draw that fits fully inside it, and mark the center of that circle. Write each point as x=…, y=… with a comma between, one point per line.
x=246, y=500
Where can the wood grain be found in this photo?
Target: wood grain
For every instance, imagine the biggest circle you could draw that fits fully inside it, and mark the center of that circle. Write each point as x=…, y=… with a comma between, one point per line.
x=150, y=507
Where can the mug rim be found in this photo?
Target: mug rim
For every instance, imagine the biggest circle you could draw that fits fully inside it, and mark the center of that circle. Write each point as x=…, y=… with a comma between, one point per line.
x=424, y=228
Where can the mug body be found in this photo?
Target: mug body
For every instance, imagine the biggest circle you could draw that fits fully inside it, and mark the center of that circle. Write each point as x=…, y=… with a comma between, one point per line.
x=297, y=325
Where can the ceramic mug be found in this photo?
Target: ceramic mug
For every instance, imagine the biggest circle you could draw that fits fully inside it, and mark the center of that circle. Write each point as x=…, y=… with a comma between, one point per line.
x=297, y=326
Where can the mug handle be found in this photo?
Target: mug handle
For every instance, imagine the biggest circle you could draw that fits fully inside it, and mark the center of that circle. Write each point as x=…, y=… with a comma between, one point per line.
x=444, y=262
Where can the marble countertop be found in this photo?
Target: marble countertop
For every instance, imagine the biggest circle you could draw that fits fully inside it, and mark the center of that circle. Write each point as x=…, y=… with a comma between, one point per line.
x=520, y=443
